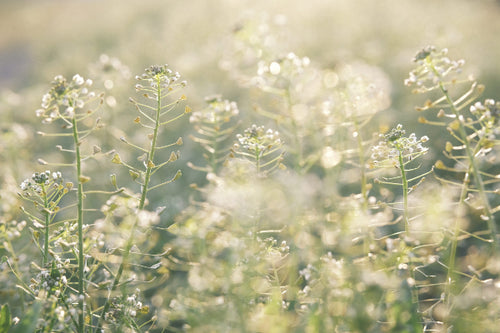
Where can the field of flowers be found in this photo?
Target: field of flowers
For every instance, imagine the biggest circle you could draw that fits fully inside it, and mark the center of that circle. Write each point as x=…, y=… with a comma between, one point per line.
x=249, y=166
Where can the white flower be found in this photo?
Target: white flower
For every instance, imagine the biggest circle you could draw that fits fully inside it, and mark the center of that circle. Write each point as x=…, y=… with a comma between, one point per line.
x=70, y=111
x=45, y=101
x=78, y=80
x=24, y=185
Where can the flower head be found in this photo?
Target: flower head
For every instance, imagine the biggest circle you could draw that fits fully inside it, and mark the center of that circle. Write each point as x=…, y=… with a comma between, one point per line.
x=160, y=75
x=432, y=67
x=258, y=140
x=65, y=98
x=395, y=144
x=260, y=146
x=218, y=111
x=39, y=179
x=488, y=110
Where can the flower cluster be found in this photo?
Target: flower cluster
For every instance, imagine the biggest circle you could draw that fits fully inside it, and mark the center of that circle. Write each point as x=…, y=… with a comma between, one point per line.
x=432, y=66
x=65, y=98
x=53, y=280
x=66, y=234
x=160, y=76
x=218, y=111
x=257, y=140
x=39, y=181
x=395, y=145
x=489, y=110
x=126, y=307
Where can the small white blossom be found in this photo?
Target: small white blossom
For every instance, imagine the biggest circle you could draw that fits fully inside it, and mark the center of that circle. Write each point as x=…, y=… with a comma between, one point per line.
x=78, y=80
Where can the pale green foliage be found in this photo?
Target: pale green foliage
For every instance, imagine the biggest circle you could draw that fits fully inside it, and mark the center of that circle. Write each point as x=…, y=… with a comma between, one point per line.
x=306, y=221
x=214, y=127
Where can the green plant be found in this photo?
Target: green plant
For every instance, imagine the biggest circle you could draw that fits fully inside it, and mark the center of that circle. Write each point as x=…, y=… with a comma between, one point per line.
x=473, y=126
x=158, y=84
x=73, y=258
x=307, y=220
x=214, y=129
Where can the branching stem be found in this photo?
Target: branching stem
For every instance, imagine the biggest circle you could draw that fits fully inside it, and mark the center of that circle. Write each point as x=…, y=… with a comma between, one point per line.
x=473, y=165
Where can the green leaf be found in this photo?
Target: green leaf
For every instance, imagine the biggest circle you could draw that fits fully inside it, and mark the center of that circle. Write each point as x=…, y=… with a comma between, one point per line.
x=5, y=319
x=29, y=321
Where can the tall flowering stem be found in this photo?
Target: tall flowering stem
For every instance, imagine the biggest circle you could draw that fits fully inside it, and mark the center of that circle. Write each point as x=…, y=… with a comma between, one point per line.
x=263, y=148
x=68, y=102
x=45, y=191
x=474, y=126
x=81, y=262
x=435, y=71
x=214, y=128
x=396, y=150
x=158, y=83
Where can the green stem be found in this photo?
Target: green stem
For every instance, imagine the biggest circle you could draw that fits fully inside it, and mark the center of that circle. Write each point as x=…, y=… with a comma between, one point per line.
x=142, y=201
x=47, y=222
x=213, y=156
x=473, y=165
x=454, y=242
x=152, y=151
x=81, y=266
x=257, y=160
x=405, y=193
x=406, y=220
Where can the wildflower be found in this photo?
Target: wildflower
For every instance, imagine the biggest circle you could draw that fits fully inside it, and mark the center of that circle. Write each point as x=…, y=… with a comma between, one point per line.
x=395, y=145
x=65, y=98
x=257, y=140
x=432, y=66
x=489, y=111
x=160, y=75
x=218, y=111
x=78, y=80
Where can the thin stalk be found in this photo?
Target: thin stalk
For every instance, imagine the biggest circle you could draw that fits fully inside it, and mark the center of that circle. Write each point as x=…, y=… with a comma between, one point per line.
x=475, y=171
x=473, y=165
x=406, y=220
x=213, y=156
x=257, y=160
x=81, y=294
x=142, y=202
x=454, y=242
x=152, y=151
x=404, y=182
x=47, y=222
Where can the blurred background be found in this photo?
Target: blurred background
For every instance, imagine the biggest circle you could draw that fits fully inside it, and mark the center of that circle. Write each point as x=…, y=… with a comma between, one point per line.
x=43, y=38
